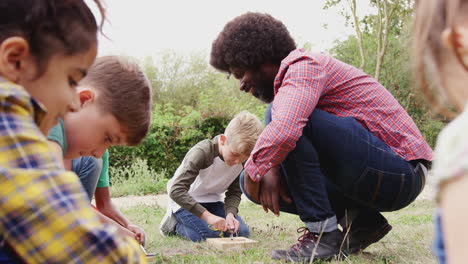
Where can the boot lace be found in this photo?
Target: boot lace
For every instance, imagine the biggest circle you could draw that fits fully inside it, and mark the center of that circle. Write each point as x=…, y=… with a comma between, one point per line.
x=304, y=239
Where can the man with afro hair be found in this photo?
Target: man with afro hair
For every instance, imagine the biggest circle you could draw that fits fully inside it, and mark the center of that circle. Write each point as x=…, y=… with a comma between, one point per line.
x=338, y=149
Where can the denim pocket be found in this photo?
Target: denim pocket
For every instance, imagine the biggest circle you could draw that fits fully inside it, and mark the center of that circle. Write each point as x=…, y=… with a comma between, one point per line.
x=380, y=189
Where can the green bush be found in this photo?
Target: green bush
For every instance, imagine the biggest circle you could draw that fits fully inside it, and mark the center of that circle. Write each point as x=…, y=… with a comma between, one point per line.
x=172, y=133
x=192, y=102
x=430, y=129
x=136, y=179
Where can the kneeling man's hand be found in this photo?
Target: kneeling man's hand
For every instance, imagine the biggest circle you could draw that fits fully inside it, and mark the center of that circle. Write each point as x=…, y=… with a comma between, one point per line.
x=252, y=188
x=271, y=189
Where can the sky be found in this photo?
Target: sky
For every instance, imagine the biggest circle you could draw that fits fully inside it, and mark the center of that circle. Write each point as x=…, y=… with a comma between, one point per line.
x=141, y=28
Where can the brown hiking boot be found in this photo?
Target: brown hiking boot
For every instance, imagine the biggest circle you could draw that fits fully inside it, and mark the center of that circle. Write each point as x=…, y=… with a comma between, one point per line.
x=361, y=234
x=322, y=246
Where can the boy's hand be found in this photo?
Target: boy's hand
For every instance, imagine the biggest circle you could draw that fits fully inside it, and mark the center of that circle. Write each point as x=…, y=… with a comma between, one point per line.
x=125, y=232
x=252, y=188
x=232, y=223
x=139, y=233
x=217, y=222
x=271, y=189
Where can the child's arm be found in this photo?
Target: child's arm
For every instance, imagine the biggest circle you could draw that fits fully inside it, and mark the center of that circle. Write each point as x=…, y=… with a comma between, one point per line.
x=45, y=214
x=217, y=222
x=231, y=204
x=200, y=157
x=105, y=206
x=196, y=159
x=124, y=231
x=233, y=198
x=57, y=139
x=454, y=215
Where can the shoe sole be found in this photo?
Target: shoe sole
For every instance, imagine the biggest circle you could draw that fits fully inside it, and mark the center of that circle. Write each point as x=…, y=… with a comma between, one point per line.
x=284, y=256
x=163, y=229
x=306, y=259
x=381, y=233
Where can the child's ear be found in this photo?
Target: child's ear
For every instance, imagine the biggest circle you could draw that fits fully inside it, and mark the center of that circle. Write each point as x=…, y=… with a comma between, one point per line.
x=457, y=39
x=222, y=140
x=86, y=96
x=14, y=52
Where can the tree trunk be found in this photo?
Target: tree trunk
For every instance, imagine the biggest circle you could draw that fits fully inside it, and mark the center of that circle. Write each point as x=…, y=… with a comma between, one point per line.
x=384, y=17
x=352, y=5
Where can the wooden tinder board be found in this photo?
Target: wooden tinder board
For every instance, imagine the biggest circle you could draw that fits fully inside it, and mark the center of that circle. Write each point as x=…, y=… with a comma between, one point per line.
x=231, y=243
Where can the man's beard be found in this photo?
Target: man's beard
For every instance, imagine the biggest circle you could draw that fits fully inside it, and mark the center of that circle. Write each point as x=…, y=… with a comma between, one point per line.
x=264, y=91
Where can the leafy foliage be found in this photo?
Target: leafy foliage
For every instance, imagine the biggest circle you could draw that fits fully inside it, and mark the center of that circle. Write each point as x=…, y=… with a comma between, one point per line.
x=136, y=179
x=192, y=103
x=395, y=73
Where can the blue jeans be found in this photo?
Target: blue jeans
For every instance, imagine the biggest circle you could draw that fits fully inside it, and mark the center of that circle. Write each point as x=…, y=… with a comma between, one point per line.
x=196, y=229
x=438, y=245
x=338, y=166
x=88, y=170
x=7, y=255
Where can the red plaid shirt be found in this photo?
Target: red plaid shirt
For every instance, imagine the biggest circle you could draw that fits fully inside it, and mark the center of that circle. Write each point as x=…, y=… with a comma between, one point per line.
x=306, y=81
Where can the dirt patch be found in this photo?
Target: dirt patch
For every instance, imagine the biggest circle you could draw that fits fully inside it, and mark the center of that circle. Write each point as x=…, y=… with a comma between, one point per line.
x=161, y=200
x=147, y=200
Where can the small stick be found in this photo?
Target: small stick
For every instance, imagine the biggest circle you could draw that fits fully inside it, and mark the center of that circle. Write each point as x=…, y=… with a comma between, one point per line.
x=143, y=249
x=146, y=253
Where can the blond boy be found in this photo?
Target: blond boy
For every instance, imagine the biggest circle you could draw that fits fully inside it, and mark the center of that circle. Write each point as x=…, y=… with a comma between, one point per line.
x=211, y=168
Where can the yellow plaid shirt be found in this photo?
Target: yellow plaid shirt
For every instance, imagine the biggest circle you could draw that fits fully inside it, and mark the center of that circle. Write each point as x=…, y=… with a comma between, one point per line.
x=45, y=215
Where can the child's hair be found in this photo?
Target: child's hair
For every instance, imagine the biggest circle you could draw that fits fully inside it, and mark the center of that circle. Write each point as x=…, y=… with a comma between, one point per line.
x=432, y=17
x=50, y=27
x=124, y=91
x=243, y=131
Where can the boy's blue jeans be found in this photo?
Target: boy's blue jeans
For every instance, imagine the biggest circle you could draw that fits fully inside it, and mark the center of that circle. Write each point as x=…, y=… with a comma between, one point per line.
x=88, y=170
x=196, y=229
x=338, y=166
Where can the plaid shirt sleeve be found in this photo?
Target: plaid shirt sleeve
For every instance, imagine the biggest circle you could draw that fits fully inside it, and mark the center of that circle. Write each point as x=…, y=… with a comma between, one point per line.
x=294, y=102
x=44, y=214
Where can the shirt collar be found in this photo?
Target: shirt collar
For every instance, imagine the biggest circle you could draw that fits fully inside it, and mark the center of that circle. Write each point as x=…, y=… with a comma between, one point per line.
x=38, y=108
x=215, y=141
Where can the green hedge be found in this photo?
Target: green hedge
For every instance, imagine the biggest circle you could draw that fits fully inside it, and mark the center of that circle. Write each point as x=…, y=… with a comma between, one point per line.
x=193, y=102
x=173, y=132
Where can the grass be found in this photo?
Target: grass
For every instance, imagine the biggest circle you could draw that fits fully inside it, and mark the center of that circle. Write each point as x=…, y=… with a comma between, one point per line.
x=136, y=179
x=408, y=242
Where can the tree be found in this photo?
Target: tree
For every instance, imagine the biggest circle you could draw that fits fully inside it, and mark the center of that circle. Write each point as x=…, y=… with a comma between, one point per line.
x=352, y=5
x=386, y=11
x=391, y=16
